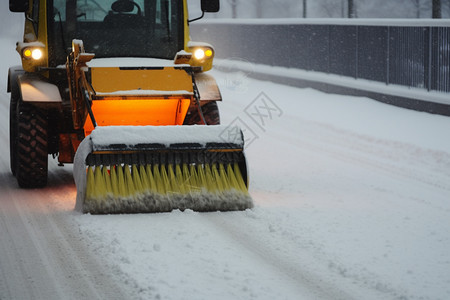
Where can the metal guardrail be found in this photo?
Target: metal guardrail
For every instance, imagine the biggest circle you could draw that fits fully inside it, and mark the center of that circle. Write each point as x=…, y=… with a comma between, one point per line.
x=402, y=52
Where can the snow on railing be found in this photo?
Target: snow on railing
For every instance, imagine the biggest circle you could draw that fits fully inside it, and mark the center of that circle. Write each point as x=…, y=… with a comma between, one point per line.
x=333, y=21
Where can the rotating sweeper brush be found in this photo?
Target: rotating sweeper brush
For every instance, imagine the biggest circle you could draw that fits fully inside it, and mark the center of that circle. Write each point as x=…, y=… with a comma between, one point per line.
x=117, y=170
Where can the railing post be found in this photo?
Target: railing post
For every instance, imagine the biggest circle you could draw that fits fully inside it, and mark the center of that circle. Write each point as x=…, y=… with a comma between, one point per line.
x=357, y=53
x=430, y=57
x=388, y=54
x=329, y=49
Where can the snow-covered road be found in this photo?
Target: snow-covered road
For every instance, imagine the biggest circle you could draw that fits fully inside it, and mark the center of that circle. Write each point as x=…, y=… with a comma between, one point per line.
x=352, y=202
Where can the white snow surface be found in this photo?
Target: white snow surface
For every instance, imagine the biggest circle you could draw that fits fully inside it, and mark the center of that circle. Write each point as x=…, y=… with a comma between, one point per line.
x=194, y=44
x=352, y=201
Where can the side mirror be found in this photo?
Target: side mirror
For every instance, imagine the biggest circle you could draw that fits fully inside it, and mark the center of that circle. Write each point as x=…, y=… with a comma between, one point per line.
x=210, y=6
x=18, y=5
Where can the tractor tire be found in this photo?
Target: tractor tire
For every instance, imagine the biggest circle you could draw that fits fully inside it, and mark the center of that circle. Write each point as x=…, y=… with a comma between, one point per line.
x=210, y=112
x=13, y=130
x=32, y=154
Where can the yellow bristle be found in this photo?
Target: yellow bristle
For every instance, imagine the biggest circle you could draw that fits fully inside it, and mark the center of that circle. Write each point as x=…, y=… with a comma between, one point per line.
x=187, y=179
x=131, y=189
x=223, y=176
x=151, y=180
x=216, y=178
x=160, y=186
x=123, y=192
x=210, y=182
x=100, y=188
x=193, y=179
x=173, y=184
x=144, y=178
x=183, y=186
x=232, y=178
x=201, y=180
x=165, y=179
x=114, y=182
x=107, y=179
x=137, y=182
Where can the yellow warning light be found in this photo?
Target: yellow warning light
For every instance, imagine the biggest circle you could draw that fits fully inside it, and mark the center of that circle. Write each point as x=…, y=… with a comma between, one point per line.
x=208, y=53
x=27, y=53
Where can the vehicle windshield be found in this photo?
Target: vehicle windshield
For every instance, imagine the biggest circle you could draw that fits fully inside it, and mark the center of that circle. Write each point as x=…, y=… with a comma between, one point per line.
x=121, y=28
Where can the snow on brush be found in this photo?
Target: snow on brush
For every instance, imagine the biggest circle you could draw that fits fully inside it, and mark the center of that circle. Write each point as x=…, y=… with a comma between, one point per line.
x=103, y=136
x=351, y=202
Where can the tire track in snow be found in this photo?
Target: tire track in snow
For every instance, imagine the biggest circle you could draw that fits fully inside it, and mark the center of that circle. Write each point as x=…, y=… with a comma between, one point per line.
x=376, y=155
x=49, y=259
x=16, y=280
x=300, y=266
x=308, y=281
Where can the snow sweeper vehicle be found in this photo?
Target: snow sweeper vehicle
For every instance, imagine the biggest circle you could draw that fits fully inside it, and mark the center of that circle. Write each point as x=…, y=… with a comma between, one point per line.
x=118, y=88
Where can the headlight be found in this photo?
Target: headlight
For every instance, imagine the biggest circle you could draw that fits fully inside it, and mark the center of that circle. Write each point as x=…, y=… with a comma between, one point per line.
x=199, y=54
x=34, y=53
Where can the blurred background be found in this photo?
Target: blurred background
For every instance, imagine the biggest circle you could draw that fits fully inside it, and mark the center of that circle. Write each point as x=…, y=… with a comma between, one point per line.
x=11, y=24
x=327, y=8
